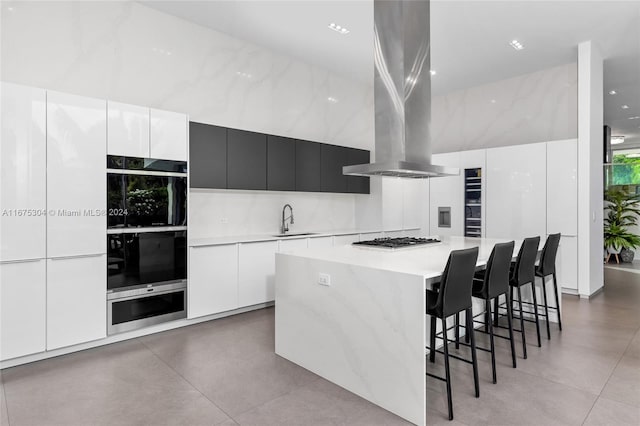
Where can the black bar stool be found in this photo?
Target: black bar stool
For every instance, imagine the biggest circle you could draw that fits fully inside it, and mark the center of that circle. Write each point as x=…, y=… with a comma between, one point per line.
x=452, y=297
x=546, y=267
x=489, y=285
x=522, y=274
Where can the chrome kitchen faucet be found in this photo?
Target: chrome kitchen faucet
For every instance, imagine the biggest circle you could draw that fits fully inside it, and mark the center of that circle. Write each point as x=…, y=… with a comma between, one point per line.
x=283, y=227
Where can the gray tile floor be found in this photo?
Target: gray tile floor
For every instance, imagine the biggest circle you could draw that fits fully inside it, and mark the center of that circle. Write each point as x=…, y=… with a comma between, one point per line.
x=225, y=372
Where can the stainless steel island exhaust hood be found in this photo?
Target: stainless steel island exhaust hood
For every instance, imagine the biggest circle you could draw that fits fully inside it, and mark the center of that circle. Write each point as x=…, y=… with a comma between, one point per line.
x=402, y=93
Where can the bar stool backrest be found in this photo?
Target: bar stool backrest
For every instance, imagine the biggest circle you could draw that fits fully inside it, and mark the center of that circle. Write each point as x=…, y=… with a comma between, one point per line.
x=525, y=268
x=457, y=281
x=548, y=258
x=496, y=276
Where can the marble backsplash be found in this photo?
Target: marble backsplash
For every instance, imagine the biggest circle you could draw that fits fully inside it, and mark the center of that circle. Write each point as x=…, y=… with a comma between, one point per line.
x=537, y=107
x=128, y=52
x=220, y=213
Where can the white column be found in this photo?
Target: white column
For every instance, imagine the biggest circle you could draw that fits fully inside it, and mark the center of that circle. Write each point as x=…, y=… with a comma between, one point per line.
x=590, y=188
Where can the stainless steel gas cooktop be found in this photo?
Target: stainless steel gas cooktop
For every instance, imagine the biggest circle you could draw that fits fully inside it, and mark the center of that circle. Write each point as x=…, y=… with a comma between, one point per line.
x=396, y=243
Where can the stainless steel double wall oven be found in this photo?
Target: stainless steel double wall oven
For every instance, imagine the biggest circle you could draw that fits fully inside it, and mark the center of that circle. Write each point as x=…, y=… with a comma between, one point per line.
x=146, y=242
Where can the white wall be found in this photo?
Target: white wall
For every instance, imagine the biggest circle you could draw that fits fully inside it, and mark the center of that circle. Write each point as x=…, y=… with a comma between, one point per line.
x=126, y=52
x=535, y=107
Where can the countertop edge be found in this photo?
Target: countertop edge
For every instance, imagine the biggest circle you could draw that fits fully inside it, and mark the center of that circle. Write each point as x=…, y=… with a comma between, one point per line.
x=235, y=239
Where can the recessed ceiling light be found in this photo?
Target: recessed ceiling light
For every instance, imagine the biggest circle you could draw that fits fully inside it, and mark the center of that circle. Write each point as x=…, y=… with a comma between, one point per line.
x=493, y=101
x=244, y=74
x=339, y=29
x=433, y=72
x=636, y=155
x=332, y=99
x=612, y=92
x=617, y=140
x=625, y=106
x=634, y=118
x=516, y=45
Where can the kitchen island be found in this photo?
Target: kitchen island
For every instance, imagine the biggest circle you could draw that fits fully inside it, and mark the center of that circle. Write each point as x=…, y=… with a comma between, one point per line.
x=356, y=316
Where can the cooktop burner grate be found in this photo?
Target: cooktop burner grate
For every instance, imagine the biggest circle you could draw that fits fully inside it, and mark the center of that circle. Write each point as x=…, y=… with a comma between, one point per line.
x=394, y=243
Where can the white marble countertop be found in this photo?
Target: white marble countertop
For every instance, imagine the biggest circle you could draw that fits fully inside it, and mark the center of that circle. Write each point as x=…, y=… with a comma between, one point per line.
x=428, y=261
x=233, y=239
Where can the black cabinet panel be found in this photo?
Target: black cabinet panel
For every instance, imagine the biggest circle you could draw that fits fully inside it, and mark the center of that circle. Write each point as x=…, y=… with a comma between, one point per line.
x=207, y=156
x=246, y=160
x=238, y=159
x=332, y=159
x=307, y=166
x=358, y=184
x=281, y=161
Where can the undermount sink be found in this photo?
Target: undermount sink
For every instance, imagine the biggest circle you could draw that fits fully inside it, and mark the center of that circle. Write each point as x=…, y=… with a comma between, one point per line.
x=295, y=234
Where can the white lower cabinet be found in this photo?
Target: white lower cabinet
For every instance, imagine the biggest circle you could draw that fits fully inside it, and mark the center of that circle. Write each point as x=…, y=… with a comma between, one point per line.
x=76, y=300
x=321, y=242
x=292, y=245
x=371, y=236
x=344, y=240
x=22, y=308
x=394, y=234
x=256, y=272
x=213, y=280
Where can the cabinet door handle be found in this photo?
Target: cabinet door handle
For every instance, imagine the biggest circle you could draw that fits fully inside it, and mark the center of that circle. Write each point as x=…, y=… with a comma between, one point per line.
x=6, y=262
x=80, y=256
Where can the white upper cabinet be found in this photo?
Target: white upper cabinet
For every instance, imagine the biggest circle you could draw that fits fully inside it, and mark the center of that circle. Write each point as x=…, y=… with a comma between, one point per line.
x=127, y=130
x=76, y=175
x=516, y=191
x=22, y=308
x=562, y=187
x=23, y=165
x=168, y=135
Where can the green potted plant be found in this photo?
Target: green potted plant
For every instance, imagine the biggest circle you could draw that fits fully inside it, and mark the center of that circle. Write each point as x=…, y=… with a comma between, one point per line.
x=622, y=211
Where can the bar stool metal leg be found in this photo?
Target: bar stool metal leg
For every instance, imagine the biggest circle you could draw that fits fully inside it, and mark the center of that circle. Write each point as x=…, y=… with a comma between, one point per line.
x=492, y=346
x=535, y=311
x=474, y=358
x=524, y=338
x=446, y=367
x=555, y=289
x=511, y=340
x=546, y=306
x=432, y=340
x=457, y=330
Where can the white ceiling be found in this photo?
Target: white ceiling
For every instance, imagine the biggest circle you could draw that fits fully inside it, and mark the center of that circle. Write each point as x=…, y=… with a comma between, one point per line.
x=469, y=39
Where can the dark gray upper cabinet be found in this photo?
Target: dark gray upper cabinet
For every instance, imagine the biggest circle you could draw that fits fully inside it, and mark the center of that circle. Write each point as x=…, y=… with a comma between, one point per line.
x=332, y=159
x=358, y=184
x=246, y=160
x=236, y=159
x=207, y=156
x=307, y=166
x=281, y=160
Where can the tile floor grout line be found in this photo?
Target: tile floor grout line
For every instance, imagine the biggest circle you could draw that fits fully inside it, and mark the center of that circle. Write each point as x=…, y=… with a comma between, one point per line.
x=186, y=380
x=6, y=406
x=279, y=396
